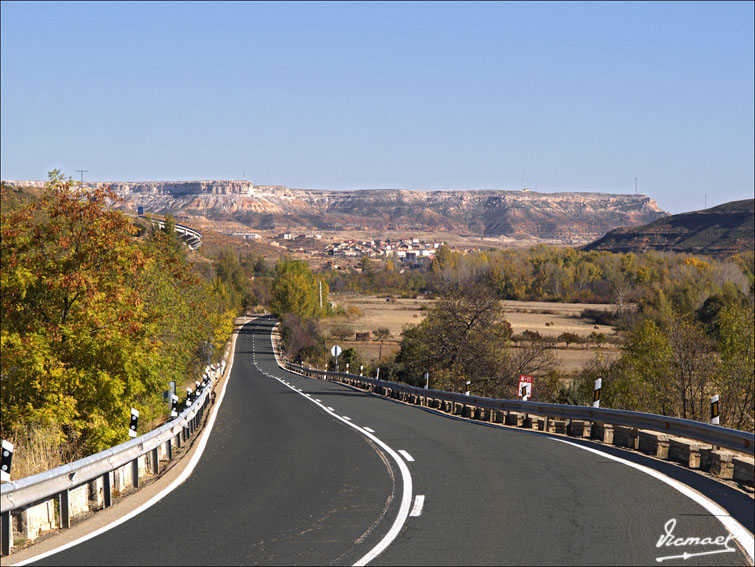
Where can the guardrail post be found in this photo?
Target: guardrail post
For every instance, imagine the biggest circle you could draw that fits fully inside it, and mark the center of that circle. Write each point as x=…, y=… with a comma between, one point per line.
x=7, y=520
x=169, y=449
x=64, y=506
x=135, y=472
x=155, y=461
x=106, y=490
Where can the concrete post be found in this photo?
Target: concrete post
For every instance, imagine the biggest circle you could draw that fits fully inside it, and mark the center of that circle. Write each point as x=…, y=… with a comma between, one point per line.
x=7, y=520
x=155, y=462
x=135, y=472
x=64, y=505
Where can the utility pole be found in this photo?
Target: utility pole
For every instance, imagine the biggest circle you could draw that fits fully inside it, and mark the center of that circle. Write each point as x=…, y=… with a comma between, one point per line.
x=82, y=172
x=635, y=187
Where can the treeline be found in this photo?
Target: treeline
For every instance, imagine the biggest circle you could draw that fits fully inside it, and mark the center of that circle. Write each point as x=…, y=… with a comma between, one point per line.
x=547, y=273
x=688, y=334
x=96, y=320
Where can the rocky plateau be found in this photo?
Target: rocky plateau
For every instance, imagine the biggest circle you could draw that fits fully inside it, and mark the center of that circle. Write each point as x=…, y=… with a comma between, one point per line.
x=571, y=218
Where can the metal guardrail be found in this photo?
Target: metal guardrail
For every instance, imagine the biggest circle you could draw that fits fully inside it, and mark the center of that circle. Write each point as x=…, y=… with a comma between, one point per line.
x=192, y=237
x=58, y=482
x=740, y=441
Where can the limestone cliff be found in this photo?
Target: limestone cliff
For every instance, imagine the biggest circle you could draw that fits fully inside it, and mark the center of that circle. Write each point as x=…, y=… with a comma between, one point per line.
x=568, y=217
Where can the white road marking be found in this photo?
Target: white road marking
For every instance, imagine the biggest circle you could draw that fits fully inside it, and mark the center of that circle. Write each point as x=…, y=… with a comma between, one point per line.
x=740, y=533
x=368, y=429
x=406, y=477
x=419, y=501
x=406, y=455
x=185, y=474
x=330, y=408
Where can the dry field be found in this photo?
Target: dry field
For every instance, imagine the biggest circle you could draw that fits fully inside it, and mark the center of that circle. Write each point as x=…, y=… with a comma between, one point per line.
x=549, y=319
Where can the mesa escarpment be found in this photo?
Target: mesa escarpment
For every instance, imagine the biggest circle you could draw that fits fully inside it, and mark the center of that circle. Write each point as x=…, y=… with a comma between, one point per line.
x=575, y=218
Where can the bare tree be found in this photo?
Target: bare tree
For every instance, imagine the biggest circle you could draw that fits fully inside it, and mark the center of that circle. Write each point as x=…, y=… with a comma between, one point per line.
x=381, y=334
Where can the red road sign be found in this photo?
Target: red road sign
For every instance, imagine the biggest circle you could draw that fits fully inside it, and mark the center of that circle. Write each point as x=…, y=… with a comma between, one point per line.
x=525, y=387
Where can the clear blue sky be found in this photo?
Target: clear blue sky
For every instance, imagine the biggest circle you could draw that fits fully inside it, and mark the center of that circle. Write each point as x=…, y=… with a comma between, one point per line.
x=572, y=96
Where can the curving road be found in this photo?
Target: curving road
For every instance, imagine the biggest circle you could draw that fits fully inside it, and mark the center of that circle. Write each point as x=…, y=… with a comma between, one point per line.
x=306, y=472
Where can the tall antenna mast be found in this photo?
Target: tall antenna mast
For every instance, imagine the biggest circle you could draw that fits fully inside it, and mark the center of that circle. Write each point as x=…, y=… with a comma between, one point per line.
x=635, y=187
x=82, y=172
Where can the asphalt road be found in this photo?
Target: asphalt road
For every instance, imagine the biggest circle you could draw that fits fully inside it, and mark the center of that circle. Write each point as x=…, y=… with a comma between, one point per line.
x=287, y=481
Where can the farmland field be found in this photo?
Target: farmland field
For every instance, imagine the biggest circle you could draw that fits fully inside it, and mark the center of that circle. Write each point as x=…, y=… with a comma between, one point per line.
x=367, y=313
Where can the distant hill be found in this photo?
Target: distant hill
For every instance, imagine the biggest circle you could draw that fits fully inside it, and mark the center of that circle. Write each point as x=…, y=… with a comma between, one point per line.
x=569, y=218
x=720, y=231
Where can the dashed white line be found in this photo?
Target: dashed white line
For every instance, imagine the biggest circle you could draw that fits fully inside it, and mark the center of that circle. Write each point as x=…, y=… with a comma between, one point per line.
x=406, y=455
x=368, y=429
x=346, y=417
x=419, y=502
x=330, y=408
x=406, y=497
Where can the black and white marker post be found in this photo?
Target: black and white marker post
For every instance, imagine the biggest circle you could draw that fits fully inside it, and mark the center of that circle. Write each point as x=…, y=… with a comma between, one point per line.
x=596, y=393
x=134, y=423
x=361, y=369
x=469, y=383
x=427, y=380
x=714, y=409
x=6, y=461
x=174, y=406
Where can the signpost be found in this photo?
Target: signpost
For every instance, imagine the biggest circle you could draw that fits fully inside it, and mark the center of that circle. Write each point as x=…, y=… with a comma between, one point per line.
x=336, y=352
x=525, y=387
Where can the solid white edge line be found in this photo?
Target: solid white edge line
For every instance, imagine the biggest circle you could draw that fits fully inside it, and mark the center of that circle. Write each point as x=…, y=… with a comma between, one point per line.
x=406, y=497
x=740, y=533
x=185, y=474
x=406, y=455
x=419, y=502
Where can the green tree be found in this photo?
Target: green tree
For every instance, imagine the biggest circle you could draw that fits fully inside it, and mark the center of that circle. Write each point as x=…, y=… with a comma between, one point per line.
x=295, y=290
x=736, y=380
x=643, y=379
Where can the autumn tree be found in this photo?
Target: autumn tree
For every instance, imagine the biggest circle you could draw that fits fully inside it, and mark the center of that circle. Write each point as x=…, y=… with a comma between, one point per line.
x=76, y=338
x=95, y=321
